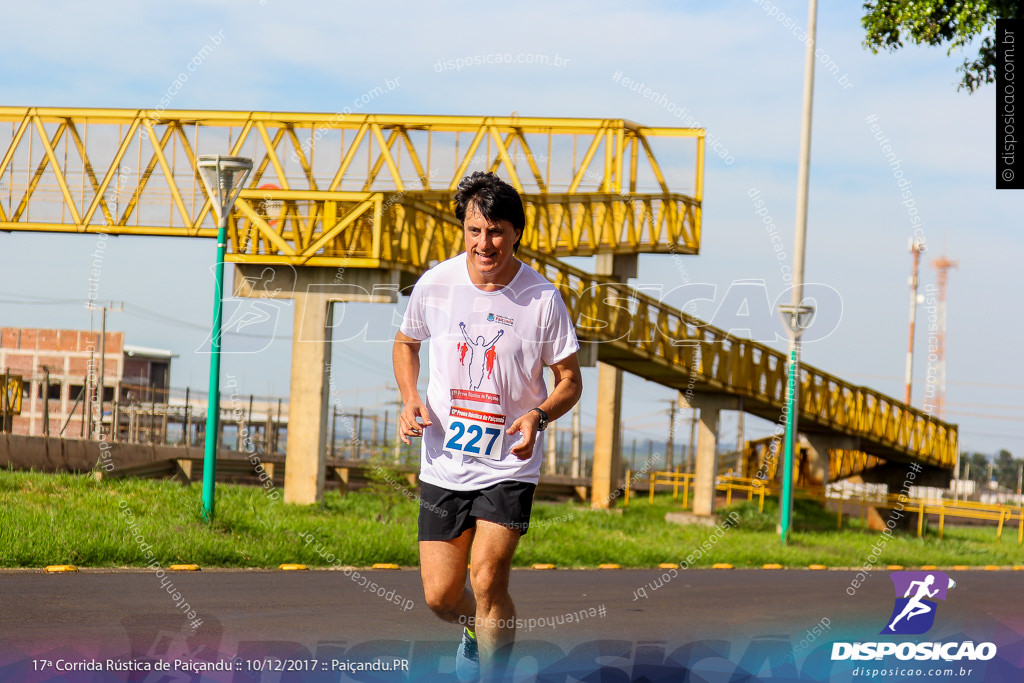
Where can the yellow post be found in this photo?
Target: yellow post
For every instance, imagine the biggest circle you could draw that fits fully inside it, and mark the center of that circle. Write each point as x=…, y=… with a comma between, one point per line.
x=942, y=518
x=920, y=519
x=839, y=517
x=686, y=489
x=999, y=531
x=654, y=480
x=625, y=498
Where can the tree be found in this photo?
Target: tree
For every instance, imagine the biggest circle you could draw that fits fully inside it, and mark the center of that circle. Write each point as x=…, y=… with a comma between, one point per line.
x=978, y=473
x=938, y=22
x=1006, y=469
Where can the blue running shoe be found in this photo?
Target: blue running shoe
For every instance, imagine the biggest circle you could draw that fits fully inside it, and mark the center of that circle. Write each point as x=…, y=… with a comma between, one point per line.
x=467, y=659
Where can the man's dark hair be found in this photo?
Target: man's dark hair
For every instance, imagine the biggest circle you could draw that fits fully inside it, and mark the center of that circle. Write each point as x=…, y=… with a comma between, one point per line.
x=494, y=198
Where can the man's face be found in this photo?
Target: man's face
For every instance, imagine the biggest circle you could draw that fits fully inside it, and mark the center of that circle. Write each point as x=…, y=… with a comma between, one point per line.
x=489, y=247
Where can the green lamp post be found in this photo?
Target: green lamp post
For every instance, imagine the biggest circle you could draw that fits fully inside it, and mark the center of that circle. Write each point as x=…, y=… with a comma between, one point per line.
x=223, y=178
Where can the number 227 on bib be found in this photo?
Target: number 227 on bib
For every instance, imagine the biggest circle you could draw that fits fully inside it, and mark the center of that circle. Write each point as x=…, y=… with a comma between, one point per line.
x=475, y=433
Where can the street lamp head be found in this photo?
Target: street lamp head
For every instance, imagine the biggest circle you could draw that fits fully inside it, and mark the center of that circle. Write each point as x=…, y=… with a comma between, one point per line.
x=798, y=318
x=223, y=177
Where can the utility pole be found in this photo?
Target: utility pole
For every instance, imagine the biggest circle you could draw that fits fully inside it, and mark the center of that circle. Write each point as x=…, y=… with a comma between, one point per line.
x=398, y=423
x=551, y=449
x=670, y=447
x=1020, y=477
x=577, y=437
x=87, y=412
x=693, y=440
x=916, y=248
x=187, y=440
x=334, y=421
x=46, y=401
x=119, y=308
x=741, y=442
x=277, y=425
x=359, y=435
x=551, y=439
x=5, y=406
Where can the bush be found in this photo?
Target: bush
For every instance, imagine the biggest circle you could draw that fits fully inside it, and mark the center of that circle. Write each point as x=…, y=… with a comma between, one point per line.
x=747, y=516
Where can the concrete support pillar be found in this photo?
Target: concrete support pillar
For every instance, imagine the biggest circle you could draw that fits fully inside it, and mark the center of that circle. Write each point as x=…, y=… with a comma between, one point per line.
x=815, y=473
x=307, y=407
x=607, y=466
x=606, y=470
x=706, y=467
x=314, y=290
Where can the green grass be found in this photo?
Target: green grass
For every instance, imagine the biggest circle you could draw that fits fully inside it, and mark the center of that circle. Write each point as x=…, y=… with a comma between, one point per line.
x=74, y=519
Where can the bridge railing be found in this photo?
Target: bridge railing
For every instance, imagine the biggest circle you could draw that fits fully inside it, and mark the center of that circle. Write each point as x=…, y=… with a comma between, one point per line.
x=616, y=314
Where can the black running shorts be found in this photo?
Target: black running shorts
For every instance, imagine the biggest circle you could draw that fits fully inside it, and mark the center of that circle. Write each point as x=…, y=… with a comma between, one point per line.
x=445, y=514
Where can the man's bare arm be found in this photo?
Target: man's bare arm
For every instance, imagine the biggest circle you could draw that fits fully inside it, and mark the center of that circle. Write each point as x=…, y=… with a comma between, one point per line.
x=405, y=355
x=567, y=391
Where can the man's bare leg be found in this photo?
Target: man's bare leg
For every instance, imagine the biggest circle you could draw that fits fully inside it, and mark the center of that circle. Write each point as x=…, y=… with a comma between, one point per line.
x=492, y=550
x=443, y=571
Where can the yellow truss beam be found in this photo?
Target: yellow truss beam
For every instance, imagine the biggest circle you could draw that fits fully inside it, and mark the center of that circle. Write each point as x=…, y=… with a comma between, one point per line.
x=559, y=224
x=124, y=171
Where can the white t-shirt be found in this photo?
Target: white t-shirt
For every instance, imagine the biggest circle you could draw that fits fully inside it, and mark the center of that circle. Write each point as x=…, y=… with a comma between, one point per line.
x=487, y=355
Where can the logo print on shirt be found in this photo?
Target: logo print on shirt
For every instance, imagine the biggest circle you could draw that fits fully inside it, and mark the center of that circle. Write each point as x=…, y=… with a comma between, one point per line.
x=503, y=319
x=482, y=356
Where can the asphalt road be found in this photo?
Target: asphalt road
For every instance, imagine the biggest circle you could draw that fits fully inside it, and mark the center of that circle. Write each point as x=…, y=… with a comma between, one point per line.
x=627, y=624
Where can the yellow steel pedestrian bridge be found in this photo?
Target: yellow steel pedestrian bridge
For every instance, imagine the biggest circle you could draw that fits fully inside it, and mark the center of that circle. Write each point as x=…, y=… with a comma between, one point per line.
x=374, y=191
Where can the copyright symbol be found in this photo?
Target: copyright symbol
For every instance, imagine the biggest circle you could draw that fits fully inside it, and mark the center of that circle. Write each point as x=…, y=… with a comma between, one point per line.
x=1007, y=174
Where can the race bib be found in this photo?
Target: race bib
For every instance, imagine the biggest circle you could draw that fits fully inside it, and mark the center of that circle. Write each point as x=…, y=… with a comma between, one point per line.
x=475, y=433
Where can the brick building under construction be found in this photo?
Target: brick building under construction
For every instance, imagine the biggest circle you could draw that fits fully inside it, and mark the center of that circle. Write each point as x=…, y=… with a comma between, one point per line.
x=61, y=371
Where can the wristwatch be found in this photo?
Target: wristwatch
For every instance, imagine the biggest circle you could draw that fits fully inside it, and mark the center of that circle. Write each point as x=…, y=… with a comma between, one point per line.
x=543, y=424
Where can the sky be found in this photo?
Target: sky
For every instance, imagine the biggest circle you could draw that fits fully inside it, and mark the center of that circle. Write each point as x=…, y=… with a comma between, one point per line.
x=735, y=68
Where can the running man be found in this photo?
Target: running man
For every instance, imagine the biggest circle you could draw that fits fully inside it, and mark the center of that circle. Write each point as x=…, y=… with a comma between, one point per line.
x=914, y=606
x=487, y=358
x=481, y=455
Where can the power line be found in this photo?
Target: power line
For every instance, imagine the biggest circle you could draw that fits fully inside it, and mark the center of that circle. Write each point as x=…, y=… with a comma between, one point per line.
x=990, y=385
x=996, y=406
x=982, y=416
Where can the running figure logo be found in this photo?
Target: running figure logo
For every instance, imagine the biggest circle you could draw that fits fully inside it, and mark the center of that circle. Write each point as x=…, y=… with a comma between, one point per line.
x=479, y=363
x=914, y=612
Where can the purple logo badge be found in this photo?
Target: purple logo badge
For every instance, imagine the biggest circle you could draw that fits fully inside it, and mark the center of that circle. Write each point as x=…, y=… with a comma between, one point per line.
x=916, y=593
